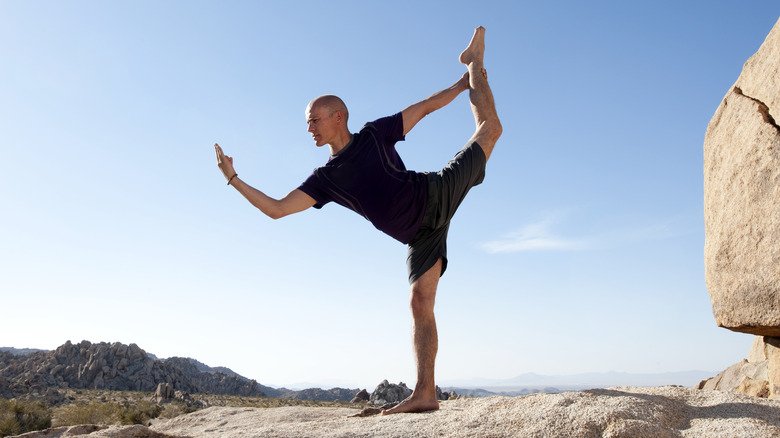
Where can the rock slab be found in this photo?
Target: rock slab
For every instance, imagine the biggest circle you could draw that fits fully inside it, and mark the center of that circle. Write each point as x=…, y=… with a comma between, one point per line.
x=624, y=412
x=742, y=198
x=601, y=413
x=757, y=376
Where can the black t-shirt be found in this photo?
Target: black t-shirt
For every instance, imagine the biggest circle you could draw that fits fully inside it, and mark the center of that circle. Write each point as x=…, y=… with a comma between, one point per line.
x=369, y=178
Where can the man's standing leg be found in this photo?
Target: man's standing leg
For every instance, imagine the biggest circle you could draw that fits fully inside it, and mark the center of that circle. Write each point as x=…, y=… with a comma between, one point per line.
x=426, y=343
x=423, y=291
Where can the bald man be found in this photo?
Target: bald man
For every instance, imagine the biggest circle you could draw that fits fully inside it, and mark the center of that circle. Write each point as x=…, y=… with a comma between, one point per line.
x=365, y=174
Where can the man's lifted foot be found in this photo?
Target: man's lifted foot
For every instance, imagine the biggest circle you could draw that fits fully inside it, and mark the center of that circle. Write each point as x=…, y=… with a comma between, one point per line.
x=476, y=49
x=412, y=404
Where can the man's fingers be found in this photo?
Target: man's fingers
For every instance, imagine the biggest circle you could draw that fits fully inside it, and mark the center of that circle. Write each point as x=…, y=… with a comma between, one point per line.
x=220, y=153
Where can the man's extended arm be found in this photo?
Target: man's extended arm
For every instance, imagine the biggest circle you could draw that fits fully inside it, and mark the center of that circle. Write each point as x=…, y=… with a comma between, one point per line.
x=294, y=202
x=416, y=112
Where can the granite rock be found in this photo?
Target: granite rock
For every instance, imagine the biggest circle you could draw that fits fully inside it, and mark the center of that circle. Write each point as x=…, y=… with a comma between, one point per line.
x=742, y=195
x=387, y=392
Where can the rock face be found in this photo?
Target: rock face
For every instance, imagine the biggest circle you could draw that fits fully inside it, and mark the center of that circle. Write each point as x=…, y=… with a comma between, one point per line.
x=112, y=366
x=387, y=392
x=164, y=393
x=361, y=397
x=116, y=366
x=445, y=395
x=742, y=198
x=757, y=376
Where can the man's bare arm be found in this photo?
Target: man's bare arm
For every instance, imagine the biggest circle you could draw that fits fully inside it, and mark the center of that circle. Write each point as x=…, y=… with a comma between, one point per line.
x=416, y=112
x=294, y=202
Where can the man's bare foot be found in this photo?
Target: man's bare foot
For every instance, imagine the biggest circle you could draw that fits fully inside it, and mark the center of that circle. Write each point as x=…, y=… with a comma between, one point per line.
x=413, y=404
x=476, y=49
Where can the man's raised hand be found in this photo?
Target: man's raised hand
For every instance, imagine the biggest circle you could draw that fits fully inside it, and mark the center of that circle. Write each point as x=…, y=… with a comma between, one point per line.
x=224, y=162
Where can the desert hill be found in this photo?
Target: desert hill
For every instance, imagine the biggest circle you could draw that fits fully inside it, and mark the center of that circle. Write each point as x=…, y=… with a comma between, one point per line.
x=116, y=366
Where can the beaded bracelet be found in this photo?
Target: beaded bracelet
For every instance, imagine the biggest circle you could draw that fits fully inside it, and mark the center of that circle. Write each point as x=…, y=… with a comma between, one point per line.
x=231, y=178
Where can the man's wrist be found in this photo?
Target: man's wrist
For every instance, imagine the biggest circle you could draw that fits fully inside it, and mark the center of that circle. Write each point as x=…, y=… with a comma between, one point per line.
x=230, y=180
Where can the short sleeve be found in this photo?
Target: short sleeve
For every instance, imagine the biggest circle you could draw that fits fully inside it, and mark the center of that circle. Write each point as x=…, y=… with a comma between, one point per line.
x=313, y=187
x=390, y=128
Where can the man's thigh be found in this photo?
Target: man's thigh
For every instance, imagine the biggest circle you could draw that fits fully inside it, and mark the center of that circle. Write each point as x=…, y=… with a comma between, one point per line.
x=425, y=252
x=464, y=171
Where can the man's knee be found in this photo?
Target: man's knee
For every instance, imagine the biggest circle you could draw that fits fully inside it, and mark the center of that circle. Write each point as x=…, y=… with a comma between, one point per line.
x=488, y=133
x=421, y=303
x=423, y=297
x=423, y=290
x=491, y=129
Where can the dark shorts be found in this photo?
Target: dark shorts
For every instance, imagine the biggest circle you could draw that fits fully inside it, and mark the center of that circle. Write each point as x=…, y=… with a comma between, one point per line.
x=446, y=190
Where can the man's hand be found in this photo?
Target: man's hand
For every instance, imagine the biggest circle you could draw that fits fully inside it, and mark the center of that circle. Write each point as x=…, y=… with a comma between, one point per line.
x=464, y=81
x=224, y=162
x=295, y=201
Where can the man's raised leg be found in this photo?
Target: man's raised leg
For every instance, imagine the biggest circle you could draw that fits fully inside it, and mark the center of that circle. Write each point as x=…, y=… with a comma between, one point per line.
x=426, y=343
x=423, y=295
x=482, y=105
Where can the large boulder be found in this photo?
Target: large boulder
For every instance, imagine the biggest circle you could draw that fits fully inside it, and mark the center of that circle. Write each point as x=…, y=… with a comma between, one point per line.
x=361, y=397
x=742, y=198
x=386, y=393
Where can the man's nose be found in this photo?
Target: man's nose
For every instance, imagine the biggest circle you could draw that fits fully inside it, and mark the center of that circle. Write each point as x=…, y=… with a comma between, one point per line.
x=309, y=127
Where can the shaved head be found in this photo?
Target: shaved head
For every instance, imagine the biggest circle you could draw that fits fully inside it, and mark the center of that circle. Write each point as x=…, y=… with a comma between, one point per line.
x=330, y=103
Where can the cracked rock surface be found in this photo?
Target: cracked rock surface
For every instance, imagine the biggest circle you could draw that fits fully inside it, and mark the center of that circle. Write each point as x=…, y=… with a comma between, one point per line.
x=742, y=198
x=599, y=413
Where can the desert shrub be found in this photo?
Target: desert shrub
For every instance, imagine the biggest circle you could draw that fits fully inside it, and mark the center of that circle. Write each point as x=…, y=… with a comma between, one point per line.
x=174, y=409
x=139, y=412
x=94, y=412
x=87, y=413
x=18, y=416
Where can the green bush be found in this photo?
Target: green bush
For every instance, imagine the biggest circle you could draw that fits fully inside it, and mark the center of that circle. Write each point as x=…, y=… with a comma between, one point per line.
x=174, y=409
x=87, y=413
x=105, y=413
x=18, y=416
x=140, y=412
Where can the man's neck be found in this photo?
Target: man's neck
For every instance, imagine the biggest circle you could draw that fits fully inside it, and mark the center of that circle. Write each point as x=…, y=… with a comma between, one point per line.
x=340, y=143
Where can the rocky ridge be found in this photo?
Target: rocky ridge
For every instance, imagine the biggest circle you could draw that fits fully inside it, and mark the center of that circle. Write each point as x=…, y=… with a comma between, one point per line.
x=116, y=366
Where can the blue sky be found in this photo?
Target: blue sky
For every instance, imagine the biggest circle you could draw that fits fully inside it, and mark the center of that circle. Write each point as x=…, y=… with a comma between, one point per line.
x=581, y=252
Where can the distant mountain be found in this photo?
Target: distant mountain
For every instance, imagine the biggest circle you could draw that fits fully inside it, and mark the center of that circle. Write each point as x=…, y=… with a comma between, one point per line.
x=478, y=392
x=333, y=394
x=118, y=366
x=20, y=351
x=202, y=367
x=582, y=381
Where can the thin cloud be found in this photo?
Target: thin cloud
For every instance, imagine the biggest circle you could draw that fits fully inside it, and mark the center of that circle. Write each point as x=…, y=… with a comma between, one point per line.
x=538, y=236
x=533, y=237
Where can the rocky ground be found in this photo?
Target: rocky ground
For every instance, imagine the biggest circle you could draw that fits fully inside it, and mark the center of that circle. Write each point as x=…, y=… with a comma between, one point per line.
x=617, y=412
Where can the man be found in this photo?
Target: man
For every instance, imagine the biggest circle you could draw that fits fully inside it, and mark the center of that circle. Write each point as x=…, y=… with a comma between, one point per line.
x=366, y=174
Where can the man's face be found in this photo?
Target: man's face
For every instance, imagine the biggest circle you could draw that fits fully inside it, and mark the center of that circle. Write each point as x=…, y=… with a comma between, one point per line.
x=322, y=123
